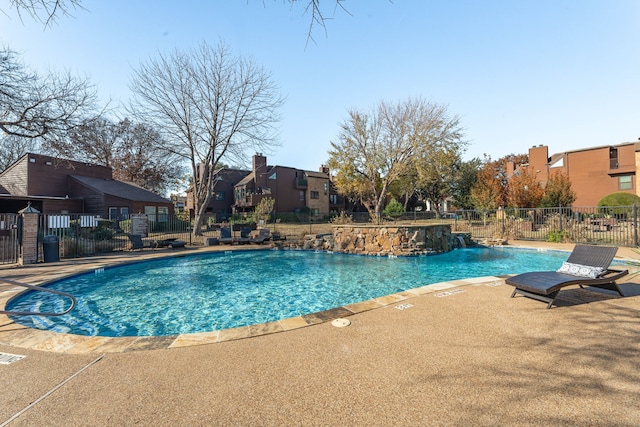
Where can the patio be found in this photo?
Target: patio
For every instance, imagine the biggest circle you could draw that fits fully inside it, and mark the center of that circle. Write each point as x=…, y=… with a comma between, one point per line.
x=473, y=356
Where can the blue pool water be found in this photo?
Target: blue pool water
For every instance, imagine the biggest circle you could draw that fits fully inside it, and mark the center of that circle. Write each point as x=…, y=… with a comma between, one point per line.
x=213, y=291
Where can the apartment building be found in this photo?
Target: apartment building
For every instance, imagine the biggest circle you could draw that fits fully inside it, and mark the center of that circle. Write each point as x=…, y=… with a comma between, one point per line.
x=293, y=190
x=594, y=172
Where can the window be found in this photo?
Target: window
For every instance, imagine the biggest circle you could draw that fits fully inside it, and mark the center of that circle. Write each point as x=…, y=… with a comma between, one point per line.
x=326, y=188
x=333, y=199
x=315, y=195
x=301, y=196
x=219, y=195
x=625, y=182
x=163, y=214
x=150, y=211
x=124, y=213
x=613, y=159
x=315, y=212
x=273, y=176
x=113, y=213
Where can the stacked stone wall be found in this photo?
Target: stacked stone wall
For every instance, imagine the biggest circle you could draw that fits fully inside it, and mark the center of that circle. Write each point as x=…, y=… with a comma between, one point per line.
x=384, y=240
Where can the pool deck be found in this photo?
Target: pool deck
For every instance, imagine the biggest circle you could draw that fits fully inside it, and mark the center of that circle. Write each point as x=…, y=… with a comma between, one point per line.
x=459, y=353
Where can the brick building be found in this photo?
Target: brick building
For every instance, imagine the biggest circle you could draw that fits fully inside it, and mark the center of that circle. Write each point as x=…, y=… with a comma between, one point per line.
x=594, y=172
x=52, y=185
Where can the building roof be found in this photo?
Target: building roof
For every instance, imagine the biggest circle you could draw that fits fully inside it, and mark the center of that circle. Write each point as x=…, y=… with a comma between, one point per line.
x=247, y=179
x=120, y=189
x=598, y=147
x=316, y=174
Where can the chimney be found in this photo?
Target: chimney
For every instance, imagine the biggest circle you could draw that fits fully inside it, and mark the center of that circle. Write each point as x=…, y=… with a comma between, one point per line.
x=260, y=170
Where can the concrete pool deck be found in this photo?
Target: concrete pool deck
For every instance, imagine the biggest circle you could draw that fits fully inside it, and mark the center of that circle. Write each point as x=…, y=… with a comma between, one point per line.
x=464, y=354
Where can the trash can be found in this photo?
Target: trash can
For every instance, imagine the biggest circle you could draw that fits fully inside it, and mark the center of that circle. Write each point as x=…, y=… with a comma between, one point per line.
x=51, y=248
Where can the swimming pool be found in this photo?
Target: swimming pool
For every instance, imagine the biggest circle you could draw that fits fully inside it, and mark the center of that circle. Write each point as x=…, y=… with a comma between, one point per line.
x=206, y=292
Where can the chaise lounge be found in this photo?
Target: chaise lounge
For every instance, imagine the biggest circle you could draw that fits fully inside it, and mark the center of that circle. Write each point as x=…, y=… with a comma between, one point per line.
x=225, y=236
x=137, y=242
x=263, y=235
x=245, y=236
x=588, y=265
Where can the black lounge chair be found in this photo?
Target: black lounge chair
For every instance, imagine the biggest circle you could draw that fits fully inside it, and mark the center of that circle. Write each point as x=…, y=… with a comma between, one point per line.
x=245, y=235
x=172, y=243
x=263, y=235
x=588, y=265
x=225, y=236
x=137, y=242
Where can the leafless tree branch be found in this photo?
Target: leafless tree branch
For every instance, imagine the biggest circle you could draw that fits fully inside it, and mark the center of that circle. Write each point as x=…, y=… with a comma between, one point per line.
x=34, y=106
x=45, y=11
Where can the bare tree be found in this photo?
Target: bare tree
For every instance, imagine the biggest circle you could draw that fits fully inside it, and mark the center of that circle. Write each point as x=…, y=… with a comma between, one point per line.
x=45, y=11
x=135, y=152
x=14, y=147
x=32, y=106
x=379, y=149
x=211, y=107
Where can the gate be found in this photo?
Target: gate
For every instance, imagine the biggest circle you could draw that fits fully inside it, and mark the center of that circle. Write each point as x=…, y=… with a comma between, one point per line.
x=9, y=244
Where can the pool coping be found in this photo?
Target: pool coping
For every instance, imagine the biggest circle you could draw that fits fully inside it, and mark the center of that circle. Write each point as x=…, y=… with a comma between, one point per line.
x=16, y=335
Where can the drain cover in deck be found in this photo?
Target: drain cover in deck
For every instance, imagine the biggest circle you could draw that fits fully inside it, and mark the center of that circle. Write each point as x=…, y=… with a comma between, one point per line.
x=7, y=359
x=341, y=323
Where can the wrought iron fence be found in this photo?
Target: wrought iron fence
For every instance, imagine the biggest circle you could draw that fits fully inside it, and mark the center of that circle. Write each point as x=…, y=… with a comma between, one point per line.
x=598, y=225
x=9, y=238
x=82, y=235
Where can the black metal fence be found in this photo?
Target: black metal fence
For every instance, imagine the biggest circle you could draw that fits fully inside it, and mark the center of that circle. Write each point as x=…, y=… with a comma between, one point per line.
x=81, y=235
x=9, y=238
x=597, y=225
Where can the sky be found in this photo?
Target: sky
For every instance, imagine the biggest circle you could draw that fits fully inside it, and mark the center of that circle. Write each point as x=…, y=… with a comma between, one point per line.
x=518, y=73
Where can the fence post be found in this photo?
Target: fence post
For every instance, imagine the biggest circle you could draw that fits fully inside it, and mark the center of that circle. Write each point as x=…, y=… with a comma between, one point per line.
x=28, y=233
x=635, y=225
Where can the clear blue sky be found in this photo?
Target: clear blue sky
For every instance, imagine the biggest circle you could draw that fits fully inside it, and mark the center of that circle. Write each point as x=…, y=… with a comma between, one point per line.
x=519, y=73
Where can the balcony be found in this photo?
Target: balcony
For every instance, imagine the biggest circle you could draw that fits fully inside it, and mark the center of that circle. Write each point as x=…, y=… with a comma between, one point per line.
x=301, y=184
x=250, y=200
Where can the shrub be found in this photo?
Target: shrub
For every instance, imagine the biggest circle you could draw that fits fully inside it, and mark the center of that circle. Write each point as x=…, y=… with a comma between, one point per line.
x=343, y=218
x=393, y=209
x=618, y=204
x=125, y=226
x=555, y=236
x=619, y=199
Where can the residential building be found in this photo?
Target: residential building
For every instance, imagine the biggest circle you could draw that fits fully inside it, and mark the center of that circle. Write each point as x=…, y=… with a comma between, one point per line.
x=293, y=190
x=594, y=172
x=221, y=204
x=53, y=185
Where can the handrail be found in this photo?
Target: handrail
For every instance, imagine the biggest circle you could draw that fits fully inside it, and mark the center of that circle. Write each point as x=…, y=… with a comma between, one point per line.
x=38, y=288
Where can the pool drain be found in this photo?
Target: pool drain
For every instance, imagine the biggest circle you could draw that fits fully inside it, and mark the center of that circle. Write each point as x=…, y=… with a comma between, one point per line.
x=7, y=359
x=340, y=323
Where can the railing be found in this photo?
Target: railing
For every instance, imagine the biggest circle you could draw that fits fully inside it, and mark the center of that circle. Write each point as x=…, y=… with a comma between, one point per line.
x=82, y=235
x=41, y=289
x=599, y=225
x=8, y=238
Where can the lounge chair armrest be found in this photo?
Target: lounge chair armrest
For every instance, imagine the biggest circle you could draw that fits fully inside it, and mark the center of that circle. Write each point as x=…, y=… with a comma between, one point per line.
x=613, y=273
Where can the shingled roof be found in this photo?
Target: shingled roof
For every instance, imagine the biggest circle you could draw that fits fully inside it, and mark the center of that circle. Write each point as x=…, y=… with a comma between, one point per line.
x=120, y=189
